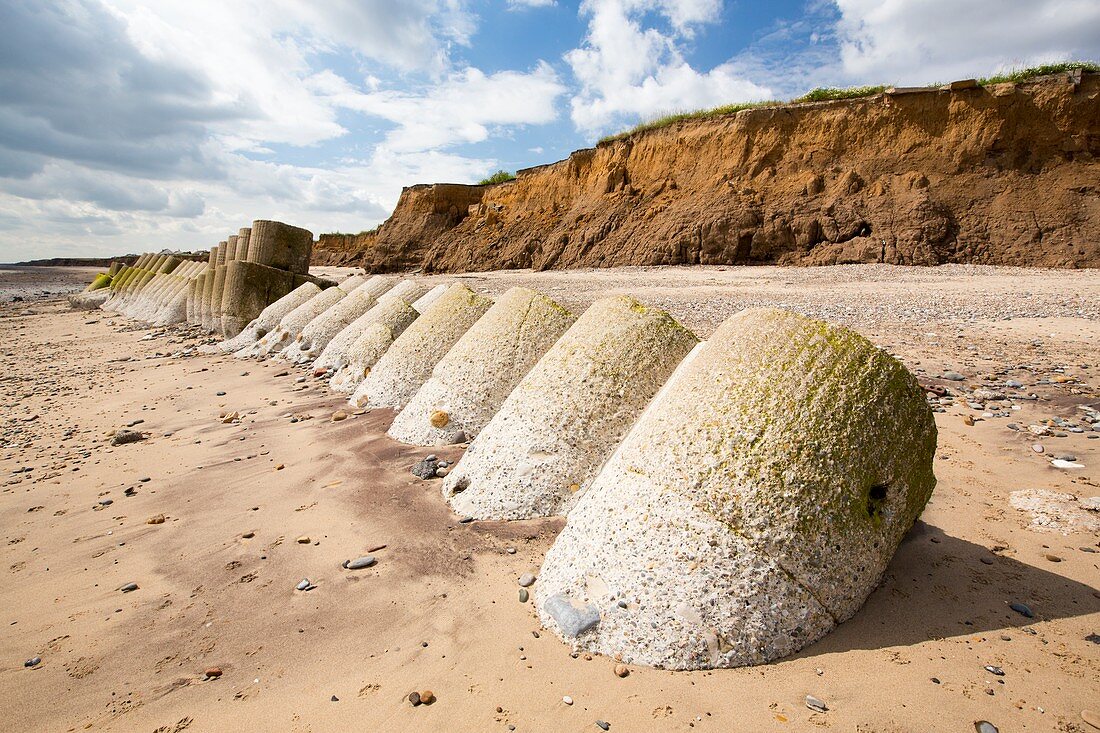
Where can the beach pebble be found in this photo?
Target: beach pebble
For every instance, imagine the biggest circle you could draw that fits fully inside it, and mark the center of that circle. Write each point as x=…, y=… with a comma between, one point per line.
x=1038, y=447
x=303, y=540
x=1022, y=609
x=414, y=698
x=303, y=584
x=1065, y=457
x=572, y=621
x=814, y=704
x=621, y=670
x=122, y=437
x=984, y=726
x=427, y=697
x=567, y=700
x=997, y=671
x=953, y=376
x=426, y=468
x=129, y=587
x=106, y=502
x=213, y=672
x=526, y=580
x=603, y=725
x=361, y=562
x=523, y=595
x=155, y=519
x=339, y=415
x=442, y=472
x=33, y=662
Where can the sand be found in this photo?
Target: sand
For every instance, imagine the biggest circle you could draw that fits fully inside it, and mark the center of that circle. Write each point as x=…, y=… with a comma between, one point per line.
x=440, y=611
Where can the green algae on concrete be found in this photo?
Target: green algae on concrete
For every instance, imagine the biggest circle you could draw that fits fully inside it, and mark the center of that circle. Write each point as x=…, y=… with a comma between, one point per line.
x=756, y=503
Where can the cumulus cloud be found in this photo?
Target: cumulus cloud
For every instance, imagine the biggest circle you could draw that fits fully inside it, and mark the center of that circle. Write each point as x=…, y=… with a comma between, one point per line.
x=461, y=108
x=128, y=124
x=626, y=71
x=74, y=88
x=939, y=40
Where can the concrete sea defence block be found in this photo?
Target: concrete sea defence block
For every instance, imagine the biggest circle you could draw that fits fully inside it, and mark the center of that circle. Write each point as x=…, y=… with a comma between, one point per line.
x=421, y=304
x=292, y=323
x=248, y=289
x=407, y=364
x=334, y=355
x=268, y=319
x=101, y=280
x=754, y=506
x=194, y=298
x=90, y=301
x=115, y=267
x=317, y=334
x=471, y=382
x=217, y=291
x=169, y=264
x=160, y=287
x=376, y=285
x=208, y=288
x=281, y=246
x=352, y=283
x=547, y=442
x=244, y=234
x=115, y=288
x=387, y=321
x=173, y=306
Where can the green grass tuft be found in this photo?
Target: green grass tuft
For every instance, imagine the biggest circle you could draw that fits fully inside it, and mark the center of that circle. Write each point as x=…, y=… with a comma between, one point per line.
x=699, y=114
x=498, y=177
x=825, y=94
x=1033, y=71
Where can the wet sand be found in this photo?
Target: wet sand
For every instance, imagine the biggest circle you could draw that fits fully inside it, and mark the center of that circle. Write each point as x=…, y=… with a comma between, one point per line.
x=216, y=581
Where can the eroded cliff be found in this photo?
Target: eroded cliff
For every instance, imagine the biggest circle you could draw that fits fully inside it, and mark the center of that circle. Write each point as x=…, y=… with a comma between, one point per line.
x=1005, y=174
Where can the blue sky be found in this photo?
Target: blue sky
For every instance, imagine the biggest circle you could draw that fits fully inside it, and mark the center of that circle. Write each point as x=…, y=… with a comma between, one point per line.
x=129, y=125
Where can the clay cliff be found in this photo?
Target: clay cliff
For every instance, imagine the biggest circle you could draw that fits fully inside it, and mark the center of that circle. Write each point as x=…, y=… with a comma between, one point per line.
x=1004, y=174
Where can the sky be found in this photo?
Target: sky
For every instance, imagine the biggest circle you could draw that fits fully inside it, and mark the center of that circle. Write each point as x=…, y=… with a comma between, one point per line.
x=129, y=126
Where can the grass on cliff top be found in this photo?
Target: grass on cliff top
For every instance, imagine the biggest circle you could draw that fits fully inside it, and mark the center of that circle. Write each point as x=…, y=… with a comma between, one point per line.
x=498, y=177
x=1044, y=70
x=824, y=94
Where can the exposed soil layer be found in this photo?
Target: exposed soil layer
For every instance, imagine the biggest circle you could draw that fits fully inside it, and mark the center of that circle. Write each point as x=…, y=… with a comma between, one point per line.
x=1005, y=174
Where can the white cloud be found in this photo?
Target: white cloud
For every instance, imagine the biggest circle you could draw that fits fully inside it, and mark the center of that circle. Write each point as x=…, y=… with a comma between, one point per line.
x=131, y=125
x=524, y=4
x=461, y=108
x=627, y=71
x=939, y=40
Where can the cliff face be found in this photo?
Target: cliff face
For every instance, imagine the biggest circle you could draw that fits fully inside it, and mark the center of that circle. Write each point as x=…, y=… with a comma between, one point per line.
x=1007, y=174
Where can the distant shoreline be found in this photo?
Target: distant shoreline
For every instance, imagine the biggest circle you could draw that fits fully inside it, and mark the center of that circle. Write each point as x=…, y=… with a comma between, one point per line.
x=73, y=262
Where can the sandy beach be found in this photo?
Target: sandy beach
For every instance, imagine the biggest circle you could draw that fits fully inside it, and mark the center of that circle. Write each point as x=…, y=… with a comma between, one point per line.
x=252, y=507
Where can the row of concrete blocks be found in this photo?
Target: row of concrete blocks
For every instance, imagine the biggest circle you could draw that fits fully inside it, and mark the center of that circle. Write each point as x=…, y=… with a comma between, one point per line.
x=242, y=275
x=726, y=502
x=152, y=289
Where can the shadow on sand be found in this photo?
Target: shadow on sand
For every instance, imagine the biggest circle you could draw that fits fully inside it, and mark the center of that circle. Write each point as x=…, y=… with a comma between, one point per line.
x=937, y=586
